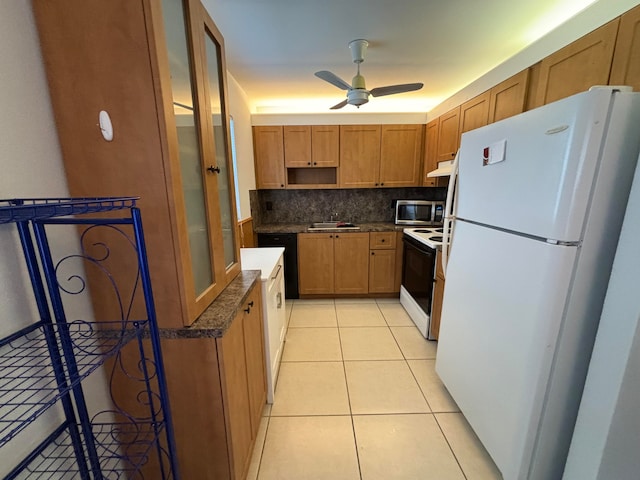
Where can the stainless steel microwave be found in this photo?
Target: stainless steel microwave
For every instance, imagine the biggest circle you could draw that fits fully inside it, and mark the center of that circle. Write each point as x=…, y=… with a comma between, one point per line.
x=419, y=212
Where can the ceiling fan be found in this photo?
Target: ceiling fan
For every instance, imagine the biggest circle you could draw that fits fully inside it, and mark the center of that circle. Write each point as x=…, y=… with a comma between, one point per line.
x=357, y=93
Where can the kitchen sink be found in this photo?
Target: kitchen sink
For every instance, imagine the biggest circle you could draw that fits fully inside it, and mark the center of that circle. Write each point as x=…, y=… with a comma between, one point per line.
x=319, y=226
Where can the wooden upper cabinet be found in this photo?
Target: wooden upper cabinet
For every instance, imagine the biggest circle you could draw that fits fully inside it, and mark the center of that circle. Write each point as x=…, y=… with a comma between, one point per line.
x=297, y=146
x=626, y=59
x=448, y=135
x=325, y=145
x=400, y=155
x=474, y=113
x=578, y=66
x=161, y=78
x=359, y=155
x=268, y=152
x=509, y=98
x=430, y=152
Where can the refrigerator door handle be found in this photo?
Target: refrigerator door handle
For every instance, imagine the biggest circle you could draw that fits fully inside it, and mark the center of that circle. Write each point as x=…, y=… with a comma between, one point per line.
x=449, y=214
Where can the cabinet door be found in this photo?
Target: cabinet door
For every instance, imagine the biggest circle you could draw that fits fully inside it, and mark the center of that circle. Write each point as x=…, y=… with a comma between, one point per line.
x=268, y=153
x=474, y=113
x=255, y=357
x=359, y=156
x=430, y=152
x=448, y=135
x=315, y=263
x=578, y=66
x=400, y=155
x=382, y=269
x=509, y=98
x=233, y=367
x=626, y=58
x=325, y=145
x=351, y=263
x=297, y=146
x=218, y=163
x=399, y=252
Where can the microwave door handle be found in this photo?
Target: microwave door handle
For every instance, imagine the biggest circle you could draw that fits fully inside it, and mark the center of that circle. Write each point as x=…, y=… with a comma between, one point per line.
x=449, y=215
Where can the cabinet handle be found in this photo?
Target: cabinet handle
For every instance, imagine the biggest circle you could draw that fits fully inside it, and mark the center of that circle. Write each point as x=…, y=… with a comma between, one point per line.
x=315, y=163
x=212, y=169
x=376, y=184
x=308, y=163
x=279, y=297
x=248, y=309
x=382, y=184
x=337, y=236
x=373, y=253
x=282, y=185
x=382, y=240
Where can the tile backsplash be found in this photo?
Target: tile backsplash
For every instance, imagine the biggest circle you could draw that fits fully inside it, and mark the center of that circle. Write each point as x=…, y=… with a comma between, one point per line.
x=351, y=205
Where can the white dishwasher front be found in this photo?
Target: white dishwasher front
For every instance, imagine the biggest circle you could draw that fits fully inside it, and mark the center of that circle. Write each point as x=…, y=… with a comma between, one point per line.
x=270, y=262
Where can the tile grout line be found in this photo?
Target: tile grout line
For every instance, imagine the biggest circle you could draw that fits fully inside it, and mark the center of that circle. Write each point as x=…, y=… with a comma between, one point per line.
x=353, y=427
x=450, y=447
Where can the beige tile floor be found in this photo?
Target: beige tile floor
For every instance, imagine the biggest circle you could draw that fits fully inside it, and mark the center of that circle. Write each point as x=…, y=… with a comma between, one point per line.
x=358, y=398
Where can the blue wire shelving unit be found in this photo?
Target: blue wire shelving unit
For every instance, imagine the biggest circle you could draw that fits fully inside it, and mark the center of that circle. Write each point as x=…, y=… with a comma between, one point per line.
x=44, y=365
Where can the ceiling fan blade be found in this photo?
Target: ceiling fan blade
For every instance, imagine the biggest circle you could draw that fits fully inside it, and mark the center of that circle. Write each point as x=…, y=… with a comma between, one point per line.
x=333, y=79
x=339, y=105
x=391, y=89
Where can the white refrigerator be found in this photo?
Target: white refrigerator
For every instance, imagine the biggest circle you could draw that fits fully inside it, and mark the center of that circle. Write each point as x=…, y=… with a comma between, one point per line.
x=540, y=202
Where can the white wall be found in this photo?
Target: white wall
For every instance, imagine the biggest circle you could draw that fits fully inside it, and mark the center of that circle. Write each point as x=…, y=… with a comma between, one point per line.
x=30, y=166
x=239, y=110
x=589, y=19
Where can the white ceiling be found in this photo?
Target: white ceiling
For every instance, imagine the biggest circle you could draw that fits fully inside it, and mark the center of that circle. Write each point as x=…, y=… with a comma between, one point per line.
x=273, y=47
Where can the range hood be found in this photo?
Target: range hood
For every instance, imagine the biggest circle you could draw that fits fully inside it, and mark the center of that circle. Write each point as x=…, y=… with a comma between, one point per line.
x=444, y=169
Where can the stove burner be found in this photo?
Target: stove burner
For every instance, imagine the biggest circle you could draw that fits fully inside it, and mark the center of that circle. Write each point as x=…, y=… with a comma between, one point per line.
x=423, y=231
x=437, y=238
x=439, y=230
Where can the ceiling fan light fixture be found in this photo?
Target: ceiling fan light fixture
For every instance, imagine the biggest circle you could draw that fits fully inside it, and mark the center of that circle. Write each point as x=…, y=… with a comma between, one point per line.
x=358, y=97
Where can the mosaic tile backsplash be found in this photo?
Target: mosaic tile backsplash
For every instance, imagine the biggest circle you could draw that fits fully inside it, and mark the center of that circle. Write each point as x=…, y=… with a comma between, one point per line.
x=351, y=205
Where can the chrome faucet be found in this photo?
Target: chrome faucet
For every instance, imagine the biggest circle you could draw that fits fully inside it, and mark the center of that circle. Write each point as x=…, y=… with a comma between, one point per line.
x=331, y=219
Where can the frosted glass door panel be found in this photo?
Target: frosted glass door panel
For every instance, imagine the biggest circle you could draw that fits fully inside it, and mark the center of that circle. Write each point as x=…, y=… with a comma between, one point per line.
x=225, y=191
x=189, y=145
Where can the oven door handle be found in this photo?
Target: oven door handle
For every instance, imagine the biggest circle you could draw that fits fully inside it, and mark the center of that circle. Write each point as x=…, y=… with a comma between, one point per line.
x=419, y=246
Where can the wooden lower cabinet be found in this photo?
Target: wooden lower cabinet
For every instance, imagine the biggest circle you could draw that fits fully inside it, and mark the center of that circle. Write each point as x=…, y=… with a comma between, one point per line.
x=436, y=306
x=333, y=263
x=217, y=391
x=382, y=266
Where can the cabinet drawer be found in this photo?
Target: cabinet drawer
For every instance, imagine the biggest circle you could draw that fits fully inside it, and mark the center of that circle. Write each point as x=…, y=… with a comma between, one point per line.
x=378, y=240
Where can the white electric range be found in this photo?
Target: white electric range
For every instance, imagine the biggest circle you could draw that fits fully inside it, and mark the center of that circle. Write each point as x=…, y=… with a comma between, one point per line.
x=418, y=274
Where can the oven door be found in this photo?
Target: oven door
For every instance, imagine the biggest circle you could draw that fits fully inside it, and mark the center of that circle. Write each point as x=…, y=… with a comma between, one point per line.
x=418, y=268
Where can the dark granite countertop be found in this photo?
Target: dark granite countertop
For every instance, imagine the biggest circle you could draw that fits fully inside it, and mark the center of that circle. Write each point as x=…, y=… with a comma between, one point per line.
x=304, y=228
x=215, y=320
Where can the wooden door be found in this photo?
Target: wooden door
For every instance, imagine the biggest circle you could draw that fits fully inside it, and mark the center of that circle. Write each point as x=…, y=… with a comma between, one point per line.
x=509, y=98
x=325, y=145
x=255, y=357
x=578, y=66
x=399, y=252
x=268, y=153
x=382, y=268
x=430, y=152
x=351, y=263
x=474, y=113
x=359, y=156
x=297, y=145
x=626, y=58
x=448, y=135
x=315, y=263
x=400, y=155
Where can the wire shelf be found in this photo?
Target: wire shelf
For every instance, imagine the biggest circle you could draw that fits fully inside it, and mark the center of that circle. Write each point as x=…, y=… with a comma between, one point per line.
x=125, y=450
x=18, y=210
x=28, y=384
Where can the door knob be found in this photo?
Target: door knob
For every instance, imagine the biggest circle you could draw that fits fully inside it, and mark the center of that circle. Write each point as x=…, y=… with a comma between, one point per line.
x=212, y=169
